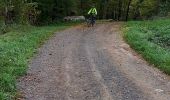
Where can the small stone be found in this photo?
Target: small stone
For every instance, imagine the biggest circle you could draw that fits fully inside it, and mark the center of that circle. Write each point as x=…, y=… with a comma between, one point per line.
x=50, y=54
x=159, y=90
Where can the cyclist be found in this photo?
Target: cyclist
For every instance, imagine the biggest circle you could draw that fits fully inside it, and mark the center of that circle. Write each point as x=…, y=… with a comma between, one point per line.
x=93, y=13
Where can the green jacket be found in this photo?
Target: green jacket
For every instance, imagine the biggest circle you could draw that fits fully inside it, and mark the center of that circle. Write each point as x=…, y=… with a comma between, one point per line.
x=92, y=11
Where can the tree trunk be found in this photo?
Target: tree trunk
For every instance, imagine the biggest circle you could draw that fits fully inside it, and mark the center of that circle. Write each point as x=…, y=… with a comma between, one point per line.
x=127, y=12
x=104, y=11
x=6, y=15
x=120, y=8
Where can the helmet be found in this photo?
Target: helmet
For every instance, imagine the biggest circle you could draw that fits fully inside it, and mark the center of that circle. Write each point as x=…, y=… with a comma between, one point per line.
x=93, y=5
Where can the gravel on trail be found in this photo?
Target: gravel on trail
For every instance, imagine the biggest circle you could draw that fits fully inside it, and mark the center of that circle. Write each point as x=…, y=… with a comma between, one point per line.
x=83, y=63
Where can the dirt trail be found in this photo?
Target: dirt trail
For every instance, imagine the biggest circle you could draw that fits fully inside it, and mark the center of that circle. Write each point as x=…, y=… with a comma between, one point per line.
x=83, y=63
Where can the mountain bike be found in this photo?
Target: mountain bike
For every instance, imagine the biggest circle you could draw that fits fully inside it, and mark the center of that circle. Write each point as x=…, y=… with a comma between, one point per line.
x=90, y=21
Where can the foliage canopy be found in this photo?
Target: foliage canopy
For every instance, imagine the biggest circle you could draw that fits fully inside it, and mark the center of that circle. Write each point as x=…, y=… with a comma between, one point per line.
x=41, y=11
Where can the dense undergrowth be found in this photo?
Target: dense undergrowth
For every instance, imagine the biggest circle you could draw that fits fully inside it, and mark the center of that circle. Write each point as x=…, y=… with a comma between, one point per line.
x=16, y=47
x=152, y=40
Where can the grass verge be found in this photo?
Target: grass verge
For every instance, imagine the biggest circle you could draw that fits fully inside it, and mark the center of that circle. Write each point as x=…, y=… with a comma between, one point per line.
x=16, y=47
x=150, y=38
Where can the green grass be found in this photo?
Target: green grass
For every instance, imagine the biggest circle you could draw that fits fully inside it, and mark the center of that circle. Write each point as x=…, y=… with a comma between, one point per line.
x=16, y=48
x=152, y=40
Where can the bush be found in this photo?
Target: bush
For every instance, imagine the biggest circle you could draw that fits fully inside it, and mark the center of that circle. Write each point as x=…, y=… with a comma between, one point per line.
x=4, y=29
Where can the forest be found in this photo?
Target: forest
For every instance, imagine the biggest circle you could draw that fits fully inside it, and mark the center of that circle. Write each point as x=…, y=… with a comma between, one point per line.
x=47, y=11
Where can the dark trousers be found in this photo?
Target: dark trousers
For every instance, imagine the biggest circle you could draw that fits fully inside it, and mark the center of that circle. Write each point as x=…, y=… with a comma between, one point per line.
x=93, y=19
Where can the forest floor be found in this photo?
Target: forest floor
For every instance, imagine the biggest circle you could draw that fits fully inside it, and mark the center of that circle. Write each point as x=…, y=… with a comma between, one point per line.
x=95, y=63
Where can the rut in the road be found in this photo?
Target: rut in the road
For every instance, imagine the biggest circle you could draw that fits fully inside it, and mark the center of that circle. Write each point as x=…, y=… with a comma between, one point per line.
x=83, y=64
